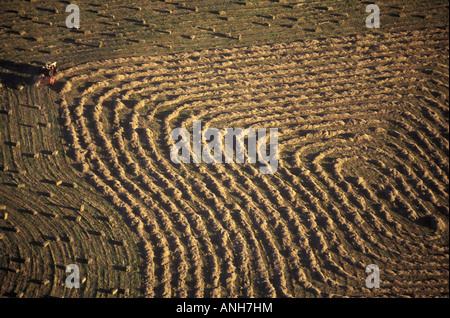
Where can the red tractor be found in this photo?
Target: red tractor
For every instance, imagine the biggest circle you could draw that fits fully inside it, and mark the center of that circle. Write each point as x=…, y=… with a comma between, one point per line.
x=46, y=74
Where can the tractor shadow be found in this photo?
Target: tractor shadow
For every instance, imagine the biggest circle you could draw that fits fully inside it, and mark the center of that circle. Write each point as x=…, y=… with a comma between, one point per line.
x=14, y=74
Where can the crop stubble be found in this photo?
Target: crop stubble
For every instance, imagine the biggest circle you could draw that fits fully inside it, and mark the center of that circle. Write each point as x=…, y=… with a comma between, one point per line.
x=363, y=124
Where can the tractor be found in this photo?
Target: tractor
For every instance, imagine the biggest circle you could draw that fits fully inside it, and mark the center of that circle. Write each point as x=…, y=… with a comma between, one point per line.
x=46, y=74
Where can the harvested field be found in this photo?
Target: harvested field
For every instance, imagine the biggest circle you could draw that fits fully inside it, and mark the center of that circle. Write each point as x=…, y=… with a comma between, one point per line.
x=362, y=177
x=360, y=164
